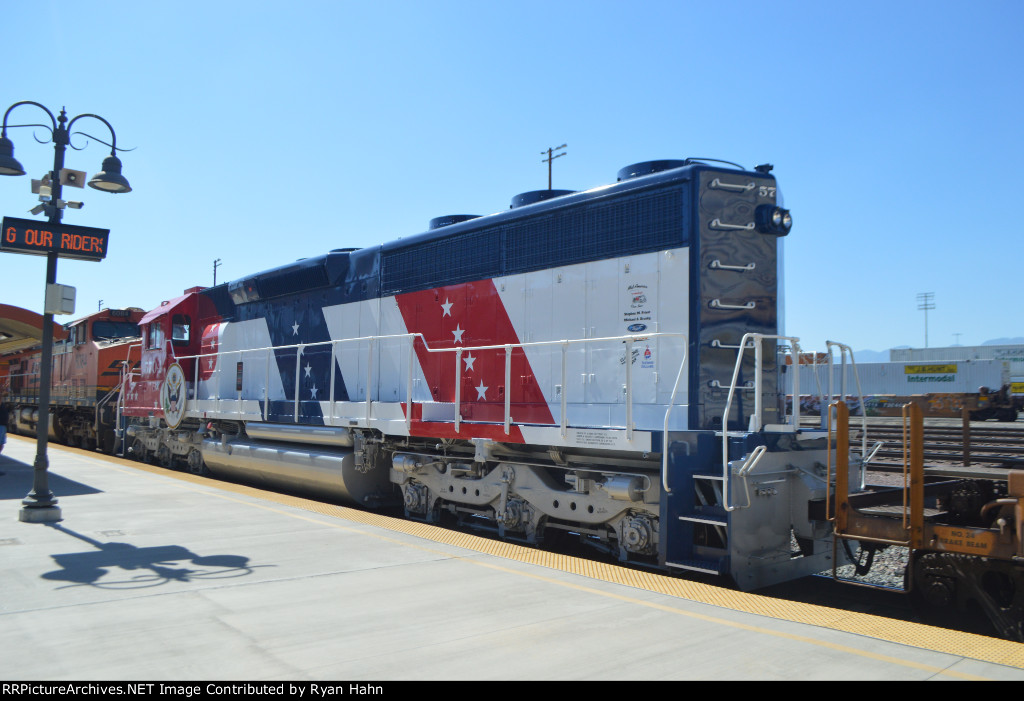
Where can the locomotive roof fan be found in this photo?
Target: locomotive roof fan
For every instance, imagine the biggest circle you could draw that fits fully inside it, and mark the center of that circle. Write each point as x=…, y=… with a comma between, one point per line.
x=449, y=219
x=535, y=196
x=647, y=168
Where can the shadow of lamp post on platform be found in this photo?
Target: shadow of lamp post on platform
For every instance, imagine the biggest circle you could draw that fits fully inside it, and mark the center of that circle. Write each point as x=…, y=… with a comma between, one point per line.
x=54, y=239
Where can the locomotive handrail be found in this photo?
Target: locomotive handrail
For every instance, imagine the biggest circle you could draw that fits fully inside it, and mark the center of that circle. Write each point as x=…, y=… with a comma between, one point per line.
x=717, y=184
x=755, y=418
x=115, y=392
x=668, y=411
x=748, y=465
x=814, y=373
x=719, y=304
x=843, y=350
x=722, y=226
x=717, y=264
x=300, y=348
x=715, y=384
x=127, y=378
x=830, y=394
x=715, y=343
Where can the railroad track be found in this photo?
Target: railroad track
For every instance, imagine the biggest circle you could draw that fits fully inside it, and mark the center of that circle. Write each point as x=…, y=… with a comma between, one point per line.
x=984, y=446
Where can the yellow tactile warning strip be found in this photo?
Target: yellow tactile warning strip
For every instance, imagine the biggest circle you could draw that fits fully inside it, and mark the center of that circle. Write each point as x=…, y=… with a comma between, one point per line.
x=967, y=645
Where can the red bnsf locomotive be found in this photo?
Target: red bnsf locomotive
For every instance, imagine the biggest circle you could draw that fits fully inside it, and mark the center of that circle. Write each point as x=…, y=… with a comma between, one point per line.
x=155, y=395
x=89, y=365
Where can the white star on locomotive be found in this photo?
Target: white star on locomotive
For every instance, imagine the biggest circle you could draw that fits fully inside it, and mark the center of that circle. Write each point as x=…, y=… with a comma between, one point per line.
x=308, y=368
x=481, y=391
x=295, y=329
x=447, y=306
x=458, y=333
x=469, y=359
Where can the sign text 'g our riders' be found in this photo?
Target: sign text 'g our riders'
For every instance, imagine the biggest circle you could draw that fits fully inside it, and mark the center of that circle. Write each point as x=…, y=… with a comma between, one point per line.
x=39, y=238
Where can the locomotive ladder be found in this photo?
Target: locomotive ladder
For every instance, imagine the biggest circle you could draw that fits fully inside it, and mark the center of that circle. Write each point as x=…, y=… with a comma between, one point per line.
x=712, y=491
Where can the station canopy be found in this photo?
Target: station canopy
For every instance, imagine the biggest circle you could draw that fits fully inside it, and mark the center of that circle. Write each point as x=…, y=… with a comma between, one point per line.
x=21, y=329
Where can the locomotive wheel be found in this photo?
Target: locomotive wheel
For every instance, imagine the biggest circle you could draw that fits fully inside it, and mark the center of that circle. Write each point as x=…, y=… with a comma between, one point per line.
x=935, y=590
x=1003, y=587
x=195, y=463
x=139, y=451
x=947, y=586
x=164, y=457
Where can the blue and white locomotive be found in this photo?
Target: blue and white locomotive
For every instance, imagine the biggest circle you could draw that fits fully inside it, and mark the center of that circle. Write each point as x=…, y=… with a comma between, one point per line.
x=603, y=363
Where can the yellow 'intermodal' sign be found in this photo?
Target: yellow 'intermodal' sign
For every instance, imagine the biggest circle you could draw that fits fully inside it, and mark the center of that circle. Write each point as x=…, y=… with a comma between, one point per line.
x=928, y=369
x=1017, y=388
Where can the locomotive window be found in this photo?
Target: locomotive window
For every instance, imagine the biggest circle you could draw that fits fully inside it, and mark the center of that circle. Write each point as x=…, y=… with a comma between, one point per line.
x=180, y=327
x=155, y=338
x=111, y=330
x=79, y=334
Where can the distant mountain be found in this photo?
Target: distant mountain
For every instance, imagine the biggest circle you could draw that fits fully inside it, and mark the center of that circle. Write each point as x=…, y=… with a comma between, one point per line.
x=871, y=356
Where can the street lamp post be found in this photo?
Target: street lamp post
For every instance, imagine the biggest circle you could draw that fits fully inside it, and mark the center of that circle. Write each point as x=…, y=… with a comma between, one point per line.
x=40, y=505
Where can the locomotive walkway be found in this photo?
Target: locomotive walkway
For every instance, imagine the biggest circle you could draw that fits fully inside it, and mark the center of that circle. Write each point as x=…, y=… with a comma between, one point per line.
x=157, y=575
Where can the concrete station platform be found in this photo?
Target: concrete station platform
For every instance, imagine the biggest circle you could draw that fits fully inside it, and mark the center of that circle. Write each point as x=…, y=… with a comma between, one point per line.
x=158, y=575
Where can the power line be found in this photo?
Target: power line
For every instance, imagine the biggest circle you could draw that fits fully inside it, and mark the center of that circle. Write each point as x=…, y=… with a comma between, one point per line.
x=550, y=158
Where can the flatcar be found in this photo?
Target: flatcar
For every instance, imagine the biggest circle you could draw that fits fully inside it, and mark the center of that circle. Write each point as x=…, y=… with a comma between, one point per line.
x=963, y=535
x=89, y=364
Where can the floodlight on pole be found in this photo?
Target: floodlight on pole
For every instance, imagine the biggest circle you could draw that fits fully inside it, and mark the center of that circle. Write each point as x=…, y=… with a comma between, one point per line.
x=924, y=303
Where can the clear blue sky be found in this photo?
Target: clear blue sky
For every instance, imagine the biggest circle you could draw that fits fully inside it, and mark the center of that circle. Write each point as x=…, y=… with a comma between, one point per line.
x=267, y=132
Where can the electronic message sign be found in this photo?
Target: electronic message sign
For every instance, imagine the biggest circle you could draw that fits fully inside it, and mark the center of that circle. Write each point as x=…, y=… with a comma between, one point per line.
x=40, y=238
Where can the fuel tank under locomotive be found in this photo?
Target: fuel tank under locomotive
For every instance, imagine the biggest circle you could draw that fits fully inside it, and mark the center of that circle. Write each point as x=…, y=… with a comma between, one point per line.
x=271, y=455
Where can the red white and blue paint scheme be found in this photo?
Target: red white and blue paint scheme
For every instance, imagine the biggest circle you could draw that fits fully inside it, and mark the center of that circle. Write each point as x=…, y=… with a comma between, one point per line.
x=564, y=366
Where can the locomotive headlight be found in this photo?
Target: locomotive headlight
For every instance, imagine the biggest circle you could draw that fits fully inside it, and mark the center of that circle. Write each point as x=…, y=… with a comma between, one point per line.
x=773, y=220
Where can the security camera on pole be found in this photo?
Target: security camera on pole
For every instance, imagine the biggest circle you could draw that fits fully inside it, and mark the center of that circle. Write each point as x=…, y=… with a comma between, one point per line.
x=54, y=240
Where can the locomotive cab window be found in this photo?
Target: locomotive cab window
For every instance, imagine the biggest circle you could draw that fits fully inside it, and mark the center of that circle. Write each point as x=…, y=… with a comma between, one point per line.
x=181, y=325
x=155, y=336
x=112, y=330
